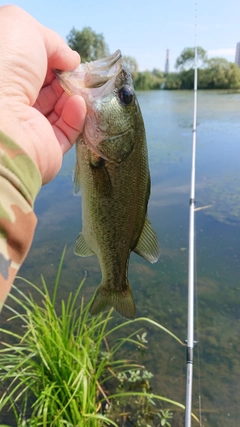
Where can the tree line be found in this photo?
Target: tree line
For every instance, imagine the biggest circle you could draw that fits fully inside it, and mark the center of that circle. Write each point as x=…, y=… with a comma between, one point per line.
x=214, y=73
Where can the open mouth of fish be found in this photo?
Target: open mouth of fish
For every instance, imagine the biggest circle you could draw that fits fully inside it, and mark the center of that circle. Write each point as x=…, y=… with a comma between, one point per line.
x=91, y=75
x=95, y=81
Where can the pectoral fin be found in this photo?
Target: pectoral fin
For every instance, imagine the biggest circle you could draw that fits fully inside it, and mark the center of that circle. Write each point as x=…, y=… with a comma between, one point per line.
x=81, y=247
x=148, y=246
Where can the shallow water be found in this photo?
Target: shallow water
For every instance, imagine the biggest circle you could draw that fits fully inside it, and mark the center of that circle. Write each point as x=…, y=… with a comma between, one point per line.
x=160, y=290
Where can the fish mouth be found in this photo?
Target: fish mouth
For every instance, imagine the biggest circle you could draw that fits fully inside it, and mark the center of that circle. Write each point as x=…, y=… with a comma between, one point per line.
x=91, y=75
x=102, y=70
x=95, y=81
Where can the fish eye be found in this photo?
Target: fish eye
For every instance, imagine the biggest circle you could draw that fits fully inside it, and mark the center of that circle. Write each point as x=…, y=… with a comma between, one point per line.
x=126, y=95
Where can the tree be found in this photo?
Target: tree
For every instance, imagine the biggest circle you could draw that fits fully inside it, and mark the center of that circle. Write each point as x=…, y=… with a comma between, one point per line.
x=234, y=76
x=220, y=74
x=147, y=81
x=156, y=72
x=172, y=81
x=187, y=79
x=88, y=44
x=214, y=73
x=187, y=58
x=131, y=65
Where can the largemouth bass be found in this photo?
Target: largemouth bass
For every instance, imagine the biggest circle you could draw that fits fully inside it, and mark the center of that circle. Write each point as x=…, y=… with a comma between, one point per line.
x=112, y=172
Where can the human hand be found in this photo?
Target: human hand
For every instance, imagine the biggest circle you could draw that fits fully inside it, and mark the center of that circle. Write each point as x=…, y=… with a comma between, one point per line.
x=34, y=110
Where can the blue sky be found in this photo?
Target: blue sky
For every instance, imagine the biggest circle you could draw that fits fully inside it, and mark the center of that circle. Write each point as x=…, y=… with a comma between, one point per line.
x=145, y=29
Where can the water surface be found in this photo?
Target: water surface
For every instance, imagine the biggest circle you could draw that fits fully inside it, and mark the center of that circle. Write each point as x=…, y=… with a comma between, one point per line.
x=160, y=290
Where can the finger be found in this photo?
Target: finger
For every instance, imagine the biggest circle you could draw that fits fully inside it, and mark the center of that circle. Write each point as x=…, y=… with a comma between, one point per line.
x=59, y=54
x=69, y=125
x=49, y=96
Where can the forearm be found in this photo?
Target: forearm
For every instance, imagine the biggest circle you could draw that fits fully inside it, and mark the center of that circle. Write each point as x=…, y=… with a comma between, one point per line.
x=20, y=182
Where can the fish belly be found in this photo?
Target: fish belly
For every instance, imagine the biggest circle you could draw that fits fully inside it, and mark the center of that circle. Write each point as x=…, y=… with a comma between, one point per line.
x=113, y=215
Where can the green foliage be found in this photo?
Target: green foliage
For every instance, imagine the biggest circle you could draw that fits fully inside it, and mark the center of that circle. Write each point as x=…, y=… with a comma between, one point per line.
x=64, y=363
x=215, y=73
x=219, y=74
x=131, y=65
x=147, y=81
x=187, y=58
x=88, y=44
x=156, y=72
x=164, y=416
x=187, y=79
x=172, y=81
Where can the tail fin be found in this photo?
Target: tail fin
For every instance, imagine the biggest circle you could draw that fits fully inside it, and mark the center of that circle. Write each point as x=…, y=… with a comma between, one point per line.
x=123, y=302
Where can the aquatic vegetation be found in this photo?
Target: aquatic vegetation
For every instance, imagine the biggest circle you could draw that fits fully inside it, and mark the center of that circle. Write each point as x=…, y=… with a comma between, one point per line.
x=66, y=368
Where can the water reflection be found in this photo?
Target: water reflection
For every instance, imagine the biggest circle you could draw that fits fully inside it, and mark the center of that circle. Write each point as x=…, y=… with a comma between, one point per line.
x=161, y=290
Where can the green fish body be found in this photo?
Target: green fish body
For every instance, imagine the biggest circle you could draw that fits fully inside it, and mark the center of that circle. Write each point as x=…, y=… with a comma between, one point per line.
x=112, y=172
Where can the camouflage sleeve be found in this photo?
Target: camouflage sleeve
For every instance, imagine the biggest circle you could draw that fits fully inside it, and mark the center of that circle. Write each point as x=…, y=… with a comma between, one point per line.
x=20, y=181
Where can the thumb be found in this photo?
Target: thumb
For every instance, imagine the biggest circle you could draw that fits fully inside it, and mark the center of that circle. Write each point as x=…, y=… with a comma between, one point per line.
x=59, y=54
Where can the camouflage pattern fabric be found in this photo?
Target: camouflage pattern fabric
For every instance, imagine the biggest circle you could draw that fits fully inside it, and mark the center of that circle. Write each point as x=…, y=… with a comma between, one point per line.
x=20, y=182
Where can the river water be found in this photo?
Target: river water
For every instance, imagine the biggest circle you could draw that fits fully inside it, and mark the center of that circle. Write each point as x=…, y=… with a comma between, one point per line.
x=160, y=290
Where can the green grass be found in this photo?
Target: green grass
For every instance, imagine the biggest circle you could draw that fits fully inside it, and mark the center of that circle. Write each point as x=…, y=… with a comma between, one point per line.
x=69, y=369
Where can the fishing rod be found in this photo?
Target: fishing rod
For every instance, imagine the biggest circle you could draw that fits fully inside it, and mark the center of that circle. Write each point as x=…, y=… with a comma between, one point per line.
x=191, y=262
